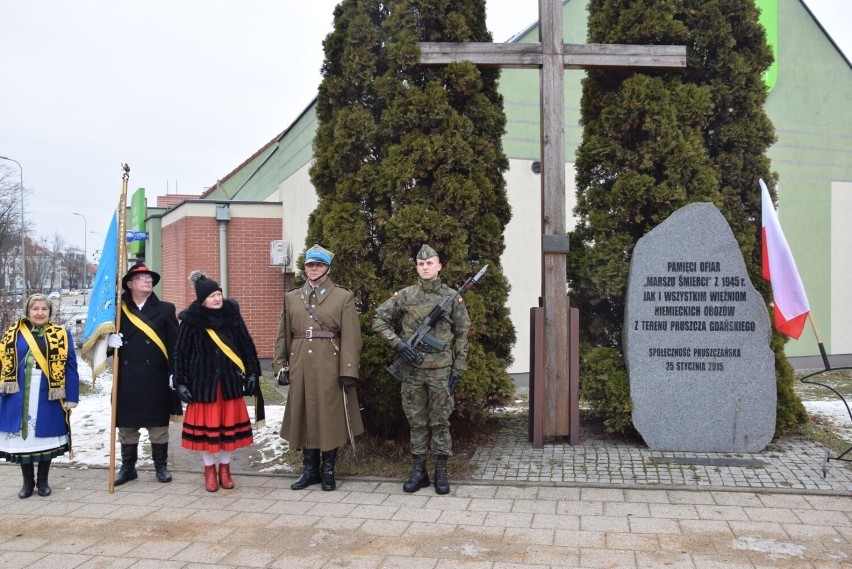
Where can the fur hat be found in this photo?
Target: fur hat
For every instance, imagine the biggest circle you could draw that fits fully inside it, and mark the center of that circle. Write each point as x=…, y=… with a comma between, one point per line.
x=139, y=269
x=204, y=286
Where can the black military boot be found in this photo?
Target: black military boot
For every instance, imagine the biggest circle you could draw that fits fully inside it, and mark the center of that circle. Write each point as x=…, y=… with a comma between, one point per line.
x=29, y=481
x=160, y=454
x=419, y=477
x=329, y=457
x=41, y=479
x=442, y=484
x=127, y=472
x=310, y=473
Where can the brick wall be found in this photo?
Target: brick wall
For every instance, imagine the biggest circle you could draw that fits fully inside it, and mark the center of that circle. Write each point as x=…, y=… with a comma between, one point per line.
x=192, y=243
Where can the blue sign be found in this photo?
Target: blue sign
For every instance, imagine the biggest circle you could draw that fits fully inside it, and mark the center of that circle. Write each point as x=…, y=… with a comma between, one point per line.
x=137, y=236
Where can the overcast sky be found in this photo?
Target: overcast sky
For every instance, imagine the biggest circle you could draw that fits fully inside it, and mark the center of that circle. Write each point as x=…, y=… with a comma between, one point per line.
x=181, y=90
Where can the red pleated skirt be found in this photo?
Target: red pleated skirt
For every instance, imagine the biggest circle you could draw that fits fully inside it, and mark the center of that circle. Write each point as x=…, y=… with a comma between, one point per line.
x=221, y=425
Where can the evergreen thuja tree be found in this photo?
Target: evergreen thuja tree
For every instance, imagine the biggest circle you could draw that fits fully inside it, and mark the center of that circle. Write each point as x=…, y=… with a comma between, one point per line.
x=728, y=56
x=406, y=155
x=654, y=142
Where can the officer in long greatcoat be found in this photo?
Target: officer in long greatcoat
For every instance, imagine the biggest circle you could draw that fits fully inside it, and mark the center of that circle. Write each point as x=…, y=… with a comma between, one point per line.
x=144, y=348
x=320, y=337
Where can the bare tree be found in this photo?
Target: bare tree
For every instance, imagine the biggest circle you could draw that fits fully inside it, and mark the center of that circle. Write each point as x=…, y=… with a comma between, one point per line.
x=72, y=261
x=10, y=226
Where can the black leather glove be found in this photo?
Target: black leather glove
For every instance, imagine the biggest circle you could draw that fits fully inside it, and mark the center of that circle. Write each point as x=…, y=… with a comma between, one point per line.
x=455, y=378
x=184, y=394
x=407, y=353
x=346, y=381
x=251, y=384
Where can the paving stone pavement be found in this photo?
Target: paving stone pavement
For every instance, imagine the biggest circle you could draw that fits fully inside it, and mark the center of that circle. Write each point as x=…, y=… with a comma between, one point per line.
x=373, y=524
x=601, y=503
x=789, y=463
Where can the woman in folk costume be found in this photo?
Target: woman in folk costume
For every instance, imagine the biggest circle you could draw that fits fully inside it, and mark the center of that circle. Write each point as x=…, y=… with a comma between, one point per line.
x=38, y=388
x=215, y=366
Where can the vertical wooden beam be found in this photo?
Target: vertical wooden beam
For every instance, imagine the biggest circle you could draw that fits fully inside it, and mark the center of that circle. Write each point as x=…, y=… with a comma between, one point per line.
x=574, y=375
x=554, y=260
x=537, y=379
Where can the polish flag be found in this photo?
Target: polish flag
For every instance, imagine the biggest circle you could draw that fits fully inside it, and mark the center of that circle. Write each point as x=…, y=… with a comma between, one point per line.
x=779, y=268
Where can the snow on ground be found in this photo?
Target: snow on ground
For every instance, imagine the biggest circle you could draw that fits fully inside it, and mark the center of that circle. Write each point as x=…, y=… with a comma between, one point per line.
x=90, y=427
x=835, y=412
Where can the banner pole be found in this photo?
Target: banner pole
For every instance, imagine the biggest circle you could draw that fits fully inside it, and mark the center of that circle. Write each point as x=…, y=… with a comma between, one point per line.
x=121, y=268
x=819, y=342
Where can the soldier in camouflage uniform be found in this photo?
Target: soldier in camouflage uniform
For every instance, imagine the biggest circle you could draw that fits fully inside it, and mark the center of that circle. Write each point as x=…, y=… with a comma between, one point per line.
x=427, y=398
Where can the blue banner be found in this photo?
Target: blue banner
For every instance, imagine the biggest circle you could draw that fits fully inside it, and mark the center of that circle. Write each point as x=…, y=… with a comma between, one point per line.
x=100, y=320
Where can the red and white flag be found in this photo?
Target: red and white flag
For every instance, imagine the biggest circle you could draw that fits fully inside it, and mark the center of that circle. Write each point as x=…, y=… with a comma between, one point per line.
x=779, y=268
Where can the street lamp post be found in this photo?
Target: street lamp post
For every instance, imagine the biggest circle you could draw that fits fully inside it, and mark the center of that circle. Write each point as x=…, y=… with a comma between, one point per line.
x=85, y=259
x=23, y=232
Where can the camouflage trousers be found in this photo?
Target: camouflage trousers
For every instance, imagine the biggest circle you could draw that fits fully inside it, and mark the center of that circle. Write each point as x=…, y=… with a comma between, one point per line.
x=427, y=402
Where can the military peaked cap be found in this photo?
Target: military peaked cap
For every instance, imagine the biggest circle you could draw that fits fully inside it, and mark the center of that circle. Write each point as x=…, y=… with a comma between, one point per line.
x=319, y=254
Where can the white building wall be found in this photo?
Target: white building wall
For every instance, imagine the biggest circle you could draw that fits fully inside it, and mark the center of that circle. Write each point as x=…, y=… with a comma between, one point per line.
x=841, y=269
x=522, y=257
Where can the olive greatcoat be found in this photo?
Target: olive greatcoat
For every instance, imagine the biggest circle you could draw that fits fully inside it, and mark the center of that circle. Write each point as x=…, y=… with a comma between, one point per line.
x=314, y=417
x=144, y=397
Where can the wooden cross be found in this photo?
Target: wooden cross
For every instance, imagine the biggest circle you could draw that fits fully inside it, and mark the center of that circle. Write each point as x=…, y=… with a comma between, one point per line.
x=552, y=56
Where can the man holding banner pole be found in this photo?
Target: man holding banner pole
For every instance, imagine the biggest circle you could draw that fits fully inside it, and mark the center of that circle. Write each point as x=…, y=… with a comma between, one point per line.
x=144, y=349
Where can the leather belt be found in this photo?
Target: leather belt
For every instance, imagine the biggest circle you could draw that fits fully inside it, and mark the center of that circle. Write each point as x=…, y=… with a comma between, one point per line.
x=309, y=334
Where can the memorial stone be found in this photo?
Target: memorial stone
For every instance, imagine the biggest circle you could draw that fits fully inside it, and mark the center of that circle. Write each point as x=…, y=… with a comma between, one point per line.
x=696, y=339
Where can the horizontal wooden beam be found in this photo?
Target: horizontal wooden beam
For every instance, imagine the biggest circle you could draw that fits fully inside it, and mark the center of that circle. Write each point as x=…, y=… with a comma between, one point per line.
x=597, y=55
x=483, y=54
x=574, y=56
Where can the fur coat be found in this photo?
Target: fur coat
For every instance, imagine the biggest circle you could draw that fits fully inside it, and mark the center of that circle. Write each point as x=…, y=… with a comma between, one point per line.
x=200, y=365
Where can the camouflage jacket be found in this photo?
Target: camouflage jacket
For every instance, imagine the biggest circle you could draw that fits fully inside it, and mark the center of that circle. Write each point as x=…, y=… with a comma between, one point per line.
x=400, y=316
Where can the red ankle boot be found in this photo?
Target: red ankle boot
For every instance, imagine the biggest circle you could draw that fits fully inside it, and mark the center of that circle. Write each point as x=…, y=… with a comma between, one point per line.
x=210, y=482
x=225, y=480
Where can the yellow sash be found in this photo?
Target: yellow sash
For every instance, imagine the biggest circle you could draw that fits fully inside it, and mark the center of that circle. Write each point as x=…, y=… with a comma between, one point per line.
x=36, y=351
x=227, y=350
x=139, y=323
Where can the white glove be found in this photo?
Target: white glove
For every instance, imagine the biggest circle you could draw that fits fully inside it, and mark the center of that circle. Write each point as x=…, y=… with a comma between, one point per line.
x=69, y=405
x=172, y=382
x=115, y=341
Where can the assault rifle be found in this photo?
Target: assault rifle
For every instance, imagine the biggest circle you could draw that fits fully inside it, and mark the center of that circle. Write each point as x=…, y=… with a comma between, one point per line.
x=422, y=335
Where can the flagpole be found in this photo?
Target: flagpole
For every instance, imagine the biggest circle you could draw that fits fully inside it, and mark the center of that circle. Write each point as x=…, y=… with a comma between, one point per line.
x=819, y=342
x=121, y=268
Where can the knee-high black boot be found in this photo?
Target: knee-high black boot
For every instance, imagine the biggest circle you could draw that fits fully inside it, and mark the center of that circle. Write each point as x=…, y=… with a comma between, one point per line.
x=329, y=458
x=127, y=472
x=310, y=473
x=29, y=481
x=41, y=479
x=160, y=454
